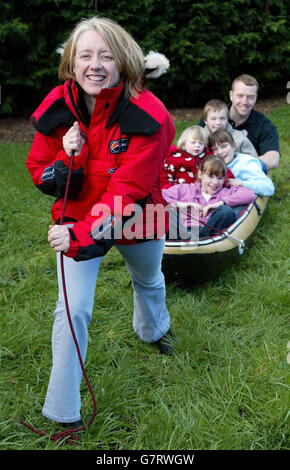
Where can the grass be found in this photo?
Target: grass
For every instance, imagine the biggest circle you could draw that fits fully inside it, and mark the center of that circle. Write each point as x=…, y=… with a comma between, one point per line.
x=226, y=388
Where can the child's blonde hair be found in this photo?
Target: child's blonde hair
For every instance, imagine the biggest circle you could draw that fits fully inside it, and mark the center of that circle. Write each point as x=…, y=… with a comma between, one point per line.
x=193, y=133
x=214, y=105
x=214, y=165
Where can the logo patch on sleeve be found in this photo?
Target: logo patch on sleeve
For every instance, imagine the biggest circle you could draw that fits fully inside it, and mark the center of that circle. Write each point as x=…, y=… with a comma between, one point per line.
x=48, y=173
x=118, y=146
x=104, y=230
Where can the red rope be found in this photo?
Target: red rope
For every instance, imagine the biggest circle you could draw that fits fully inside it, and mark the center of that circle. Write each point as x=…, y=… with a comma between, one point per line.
x=69, y=435
x=207, y=225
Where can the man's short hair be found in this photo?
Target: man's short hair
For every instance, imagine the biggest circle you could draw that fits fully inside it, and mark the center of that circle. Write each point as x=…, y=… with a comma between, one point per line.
x=247, y=80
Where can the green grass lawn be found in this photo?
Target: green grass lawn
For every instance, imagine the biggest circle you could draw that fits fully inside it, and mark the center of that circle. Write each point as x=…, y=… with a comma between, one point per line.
x=226, y=388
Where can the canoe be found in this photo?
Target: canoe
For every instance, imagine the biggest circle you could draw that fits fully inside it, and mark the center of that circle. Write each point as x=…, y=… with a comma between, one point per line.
x=199, y=261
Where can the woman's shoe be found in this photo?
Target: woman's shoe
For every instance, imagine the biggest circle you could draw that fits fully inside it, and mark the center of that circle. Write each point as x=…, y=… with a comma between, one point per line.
x=165, y=345
x=76, y=426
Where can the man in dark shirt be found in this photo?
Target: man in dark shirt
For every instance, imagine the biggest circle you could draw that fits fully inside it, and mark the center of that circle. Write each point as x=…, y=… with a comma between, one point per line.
x=260, y=130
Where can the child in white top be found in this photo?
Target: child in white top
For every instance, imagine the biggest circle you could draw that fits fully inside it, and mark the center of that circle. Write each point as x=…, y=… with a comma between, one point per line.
x=246, y=168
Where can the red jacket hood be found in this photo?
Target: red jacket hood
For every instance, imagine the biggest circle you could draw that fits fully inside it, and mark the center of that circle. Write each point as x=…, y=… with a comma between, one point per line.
x=53, y=95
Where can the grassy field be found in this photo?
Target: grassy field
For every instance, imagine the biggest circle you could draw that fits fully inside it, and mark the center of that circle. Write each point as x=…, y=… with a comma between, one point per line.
x=227, y=386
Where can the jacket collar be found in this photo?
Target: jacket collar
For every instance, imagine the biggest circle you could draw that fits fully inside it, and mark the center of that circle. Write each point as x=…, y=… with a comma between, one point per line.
x=65, y=104
x=74, y=98
x=52, y=112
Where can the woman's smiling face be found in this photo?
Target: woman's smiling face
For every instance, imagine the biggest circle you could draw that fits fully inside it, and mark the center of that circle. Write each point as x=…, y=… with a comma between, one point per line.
x=94, y=66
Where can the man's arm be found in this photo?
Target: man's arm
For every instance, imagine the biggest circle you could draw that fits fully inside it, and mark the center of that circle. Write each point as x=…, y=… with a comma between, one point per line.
x=271, y=158
x=269, y=150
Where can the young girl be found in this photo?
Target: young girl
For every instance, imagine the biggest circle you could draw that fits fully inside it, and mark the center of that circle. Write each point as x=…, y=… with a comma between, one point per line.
x=212, y=202
x=183, y=160
x=246, y=168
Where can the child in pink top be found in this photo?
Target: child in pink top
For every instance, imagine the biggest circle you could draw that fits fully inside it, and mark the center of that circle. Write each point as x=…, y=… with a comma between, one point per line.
x=211, y=201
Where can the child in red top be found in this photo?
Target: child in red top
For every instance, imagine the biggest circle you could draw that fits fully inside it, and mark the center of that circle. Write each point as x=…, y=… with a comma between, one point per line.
x=183, y=160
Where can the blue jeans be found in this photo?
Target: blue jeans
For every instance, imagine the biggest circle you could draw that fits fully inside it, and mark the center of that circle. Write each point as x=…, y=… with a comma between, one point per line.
x=150, y=320
x=221, y=218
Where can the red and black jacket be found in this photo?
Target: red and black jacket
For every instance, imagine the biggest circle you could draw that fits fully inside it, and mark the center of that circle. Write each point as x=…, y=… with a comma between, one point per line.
x=126, y=141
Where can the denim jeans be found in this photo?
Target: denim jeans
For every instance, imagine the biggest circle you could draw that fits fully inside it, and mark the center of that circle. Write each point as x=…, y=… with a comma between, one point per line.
x=150, y=319
x=220, y=219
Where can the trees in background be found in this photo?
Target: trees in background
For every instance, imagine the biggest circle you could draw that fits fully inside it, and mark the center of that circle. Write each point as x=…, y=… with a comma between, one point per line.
x=207, y=42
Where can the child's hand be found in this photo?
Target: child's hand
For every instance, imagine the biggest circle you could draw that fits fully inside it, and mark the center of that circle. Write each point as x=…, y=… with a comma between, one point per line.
x=204, y=210
x=234, y=182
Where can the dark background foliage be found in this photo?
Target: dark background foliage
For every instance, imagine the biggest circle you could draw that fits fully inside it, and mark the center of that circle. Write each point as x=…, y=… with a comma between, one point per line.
x=208, y=43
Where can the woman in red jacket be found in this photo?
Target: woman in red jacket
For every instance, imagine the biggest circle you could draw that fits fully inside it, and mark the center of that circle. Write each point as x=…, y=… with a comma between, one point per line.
x=120, y=134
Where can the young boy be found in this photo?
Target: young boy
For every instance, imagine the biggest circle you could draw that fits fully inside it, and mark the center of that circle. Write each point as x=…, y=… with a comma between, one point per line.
x=216, y=117
x=246, y=168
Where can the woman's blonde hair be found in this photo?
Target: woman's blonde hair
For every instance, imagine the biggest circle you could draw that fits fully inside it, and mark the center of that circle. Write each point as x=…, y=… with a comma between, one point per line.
x=127, y=55
x=193, y=132
x=214, y=165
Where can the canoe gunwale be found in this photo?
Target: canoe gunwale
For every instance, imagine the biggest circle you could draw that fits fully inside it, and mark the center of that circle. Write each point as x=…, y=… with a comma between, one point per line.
x=244, y=226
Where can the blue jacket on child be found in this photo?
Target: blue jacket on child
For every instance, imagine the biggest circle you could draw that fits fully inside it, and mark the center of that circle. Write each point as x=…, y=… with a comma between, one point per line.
x=248, y=169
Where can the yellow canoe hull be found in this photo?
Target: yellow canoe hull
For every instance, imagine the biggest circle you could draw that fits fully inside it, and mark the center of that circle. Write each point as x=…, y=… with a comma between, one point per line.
x=208, y=258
